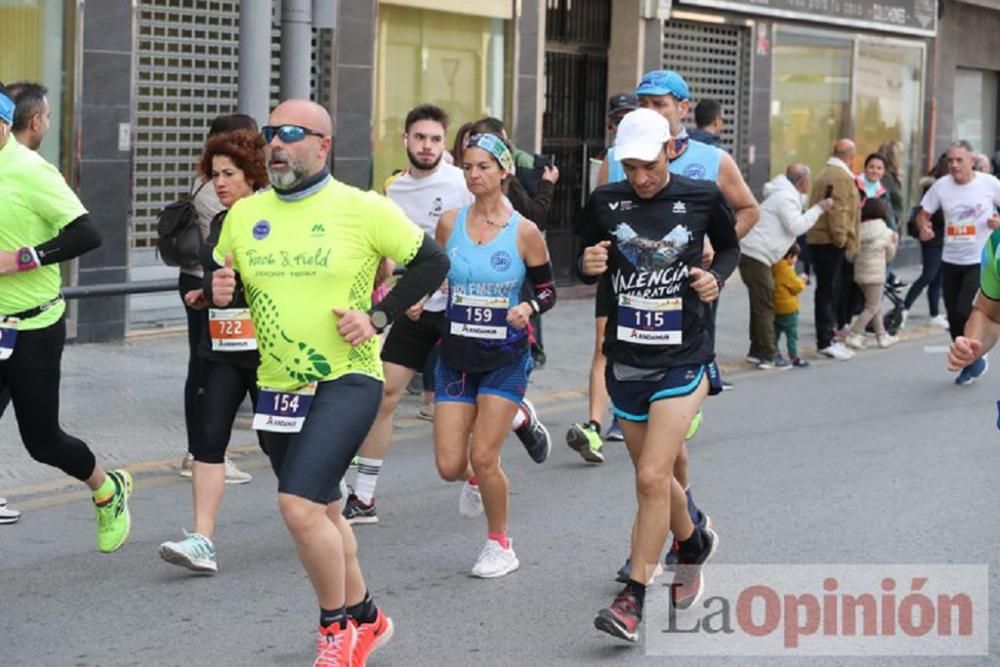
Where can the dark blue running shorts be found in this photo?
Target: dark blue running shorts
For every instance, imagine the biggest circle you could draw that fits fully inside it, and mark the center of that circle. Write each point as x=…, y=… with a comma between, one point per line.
x=510, y=382
x=631, y=400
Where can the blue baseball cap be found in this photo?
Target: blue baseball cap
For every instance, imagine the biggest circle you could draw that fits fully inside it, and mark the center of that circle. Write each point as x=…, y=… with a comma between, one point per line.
x=6, y=109
x=663, y=82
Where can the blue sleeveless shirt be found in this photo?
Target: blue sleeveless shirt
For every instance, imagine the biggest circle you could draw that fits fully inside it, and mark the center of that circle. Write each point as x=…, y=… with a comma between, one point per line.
x=698, y=161
x=484, y=282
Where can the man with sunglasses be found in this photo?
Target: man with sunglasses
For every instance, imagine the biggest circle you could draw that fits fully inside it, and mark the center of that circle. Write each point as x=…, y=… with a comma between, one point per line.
x=307, y=251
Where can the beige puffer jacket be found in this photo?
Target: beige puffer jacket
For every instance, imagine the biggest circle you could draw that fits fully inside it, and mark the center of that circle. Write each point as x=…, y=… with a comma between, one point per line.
x=877, y=248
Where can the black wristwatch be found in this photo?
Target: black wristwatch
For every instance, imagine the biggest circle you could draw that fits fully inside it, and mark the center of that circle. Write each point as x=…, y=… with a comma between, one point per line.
x=379, y=320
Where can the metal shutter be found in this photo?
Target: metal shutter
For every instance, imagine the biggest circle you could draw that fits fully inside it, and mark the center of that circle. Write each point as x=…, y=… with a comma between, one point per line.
x=714, y=59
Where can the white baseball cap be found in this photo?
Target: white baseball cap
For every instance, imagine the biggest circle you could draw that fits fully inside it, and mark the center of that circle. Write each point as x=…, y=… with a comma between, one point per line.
x=641, y=135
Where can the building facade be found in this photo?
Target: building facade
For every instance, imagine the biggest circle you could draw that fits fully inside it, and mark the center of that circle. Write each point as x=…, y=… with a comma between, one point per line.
x=134, y=84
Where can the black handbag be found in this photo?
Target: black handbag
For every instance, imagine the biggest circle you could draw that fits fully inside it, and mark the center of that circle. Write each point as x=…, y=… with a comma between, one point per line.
x=178, y=234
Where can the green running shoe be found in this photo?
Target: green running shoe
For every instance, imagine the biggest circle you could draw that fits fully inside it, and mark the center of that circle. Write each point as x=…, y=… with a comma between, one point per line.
x=586, y=441
x=695, y=425
x=113, y=519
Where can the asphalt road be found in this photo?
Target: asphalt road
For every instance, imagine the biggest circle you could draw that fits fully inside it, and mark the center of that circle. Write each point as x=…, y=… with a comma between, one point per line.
x=877, y=460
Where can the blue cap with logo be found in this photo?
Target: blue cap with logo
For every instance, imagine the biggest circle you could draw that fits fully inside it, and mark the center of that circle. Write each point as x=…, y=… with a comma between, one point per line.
x=663, y=82
x=6, y=109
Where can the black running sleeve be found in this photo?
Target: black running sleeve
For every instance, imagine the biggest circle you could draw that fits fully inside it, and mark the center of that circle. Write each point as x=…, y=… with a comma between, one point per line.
x=590, y=235
x=545, y=288
x=424, y=274
x=76, y=238
x=722, y=233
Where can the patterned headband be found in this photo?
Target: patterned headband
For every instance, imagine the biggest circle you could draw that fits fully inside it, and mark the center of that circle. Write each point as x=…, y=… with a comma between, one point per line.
x=496, y=147
x=6, y=109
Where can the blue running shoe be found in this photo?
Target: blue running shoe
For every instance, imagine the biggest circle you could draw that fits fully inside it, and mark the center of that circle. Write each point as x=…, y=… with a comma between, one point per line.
x=980, y=366
x=615, y=431
x=972, y=372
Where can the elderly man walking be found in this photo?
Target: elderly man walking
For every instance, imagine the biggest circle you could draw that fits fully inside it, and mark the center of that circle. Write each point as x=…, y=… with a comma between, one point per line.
x=781, y=221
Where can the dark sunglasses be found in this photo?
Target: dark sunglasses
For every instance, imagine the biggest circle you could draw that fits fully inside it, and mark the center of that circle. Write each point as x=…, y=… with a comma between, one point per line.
x=289, y=134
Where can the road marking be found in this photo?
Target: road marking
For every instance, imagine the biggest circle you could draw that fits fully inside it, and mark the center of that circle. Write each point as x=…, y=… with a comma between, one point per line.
x=935, y=349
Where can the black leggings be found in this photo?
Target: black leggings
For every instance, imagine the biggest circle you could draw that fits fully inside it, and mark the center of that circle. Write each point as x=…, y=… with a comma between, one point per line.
x=959, y=284
x=31, y=376
x=225, y=386
x=196, y=325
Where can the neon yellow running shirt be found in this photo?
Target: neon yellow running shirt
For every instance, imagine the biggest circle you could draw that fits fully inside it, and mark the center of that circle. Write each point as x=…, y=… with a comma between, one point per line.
x=35, y=204
x=301, y=259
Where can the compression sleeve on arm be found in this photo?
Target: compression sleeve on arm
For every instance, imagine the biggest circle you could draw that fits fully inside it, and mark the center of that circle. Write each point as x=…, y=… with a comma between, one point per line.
x=424, y=274
x=76, y=238
x=545, y=288
x=722, y=233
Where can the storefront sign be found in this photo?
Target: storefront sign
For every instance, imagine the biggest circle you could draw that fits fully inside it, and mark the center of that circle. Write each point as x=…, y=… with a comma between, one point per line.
x=912, y=17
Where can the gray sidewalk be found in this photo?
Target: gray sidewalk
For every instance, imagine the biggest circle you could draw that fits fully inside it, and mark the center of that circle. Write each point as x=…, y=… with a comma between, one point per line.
x=126, y=399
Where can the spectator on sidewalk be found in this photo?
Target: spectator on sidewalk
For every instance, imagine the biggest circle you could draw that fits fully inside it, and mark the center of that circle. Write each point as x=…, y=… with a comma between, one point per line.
x=708, y=119
x=892, y=154
x=877, y=245
x=781, y=221
x=834, y=233
x=787, y=286
x=930, y=253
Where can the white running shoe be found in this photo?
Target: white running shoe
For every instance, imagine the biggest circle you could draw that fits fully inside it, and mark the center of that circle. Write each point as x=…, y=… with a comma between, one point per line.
x=837, y=351
x=857, y=341
x=940, y=321
x=7, y=515
x=234, y=475
x=887, y=340
x=495, y=561
x=195, y=552
x=470, y=502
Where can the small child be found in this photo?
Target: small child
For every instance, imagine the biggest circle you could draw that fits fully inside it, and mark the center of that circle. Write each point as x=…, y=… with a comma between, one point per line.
x=787, y=285
x=876, y=246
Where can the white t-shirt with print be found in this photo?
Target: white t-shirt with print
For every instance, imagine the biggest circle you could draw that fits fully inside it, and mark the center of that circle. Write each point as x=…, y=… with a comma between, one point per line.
x=425, y=199
x=967, y=208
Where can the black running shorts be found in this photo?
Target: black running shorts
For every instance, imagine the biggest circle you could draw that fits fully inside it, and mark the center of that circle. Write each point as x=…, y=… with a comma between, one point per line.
x=409, y=343
x=311, y=463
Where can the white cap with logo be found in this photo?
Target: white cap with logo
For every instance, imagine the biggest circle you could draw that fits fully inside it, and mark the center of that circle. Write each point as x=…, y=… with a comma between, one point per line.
x=641, y=135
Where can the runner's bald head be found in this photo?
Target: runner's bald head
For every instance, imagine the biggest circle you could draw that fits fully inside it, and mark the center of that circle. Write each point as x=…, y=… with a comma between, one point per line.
x=305, y=113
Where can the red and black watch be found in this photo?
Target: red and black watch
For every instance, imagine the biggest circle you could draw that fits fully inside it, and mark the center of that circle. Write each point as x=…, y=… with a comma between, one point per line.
x=26, y=258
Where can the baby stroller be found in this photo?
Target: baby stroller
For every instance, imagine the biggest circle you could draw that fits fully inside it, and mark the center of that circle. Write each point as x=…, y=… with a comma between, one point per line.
x=893, y=318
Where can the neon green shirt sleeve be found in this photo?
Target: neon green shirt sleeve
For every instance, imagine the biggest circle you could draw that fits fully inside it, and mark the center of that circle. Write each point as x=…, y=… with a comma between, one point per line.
x=989, y=273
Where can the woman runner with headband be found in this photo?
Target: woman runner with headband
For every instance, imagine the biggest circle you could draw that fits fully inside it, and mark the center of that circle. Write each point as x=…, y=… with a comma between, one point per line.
x=485, y=358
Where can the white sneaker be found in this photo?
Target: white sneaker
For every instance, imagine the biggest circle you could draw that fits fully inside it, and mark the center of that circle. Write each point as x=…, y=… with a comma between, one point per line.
x=7, y=515
x=887, y=340
x=940, y=321
x=836, y=351
x=495, y=561
x=186, y=464
x=857, y=341
x=844, y=350
x=234, y=475
x=470, y=502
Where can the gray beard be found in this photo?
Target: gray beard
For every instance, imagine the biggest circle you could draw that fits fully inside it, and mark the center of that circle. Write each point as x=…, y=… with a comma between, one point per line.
x=288, y=179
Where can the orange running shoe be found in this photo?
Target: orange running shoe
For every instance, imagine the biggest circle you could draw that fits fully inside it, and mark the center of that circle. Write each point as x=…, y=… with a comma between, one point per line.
x=371, y=637
x=334, y=646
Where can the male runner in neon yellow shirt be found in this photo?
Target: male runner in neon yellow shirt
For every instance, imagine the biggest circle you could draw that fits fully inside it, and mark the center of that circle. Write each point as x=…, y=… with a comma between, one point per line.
x=307, y=251
x=42, y=223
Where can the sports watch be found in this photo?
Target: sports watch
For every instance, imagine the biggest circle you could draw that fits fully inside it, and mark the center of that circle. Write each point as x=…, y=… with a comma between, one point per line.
x=26, y=258
x=379, y=320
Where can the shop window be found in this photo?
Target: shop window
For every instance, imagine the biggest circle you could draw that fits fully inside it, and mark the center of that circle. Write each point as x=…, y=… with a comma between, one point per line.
x=811, y=97
x=455, y=61
x=975, y=109
x=32, y=37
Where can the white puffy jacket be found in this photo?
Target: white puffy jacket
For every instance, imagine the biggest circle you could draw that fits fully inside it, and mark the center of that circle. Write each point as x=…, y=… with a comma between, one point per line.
x=781, y=222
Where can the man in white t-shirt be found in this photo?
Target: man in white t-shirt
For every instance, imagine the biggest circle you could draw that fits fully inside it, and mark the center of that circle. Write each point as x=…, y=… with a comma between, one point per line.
x=426, y=189
x=969, y=201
